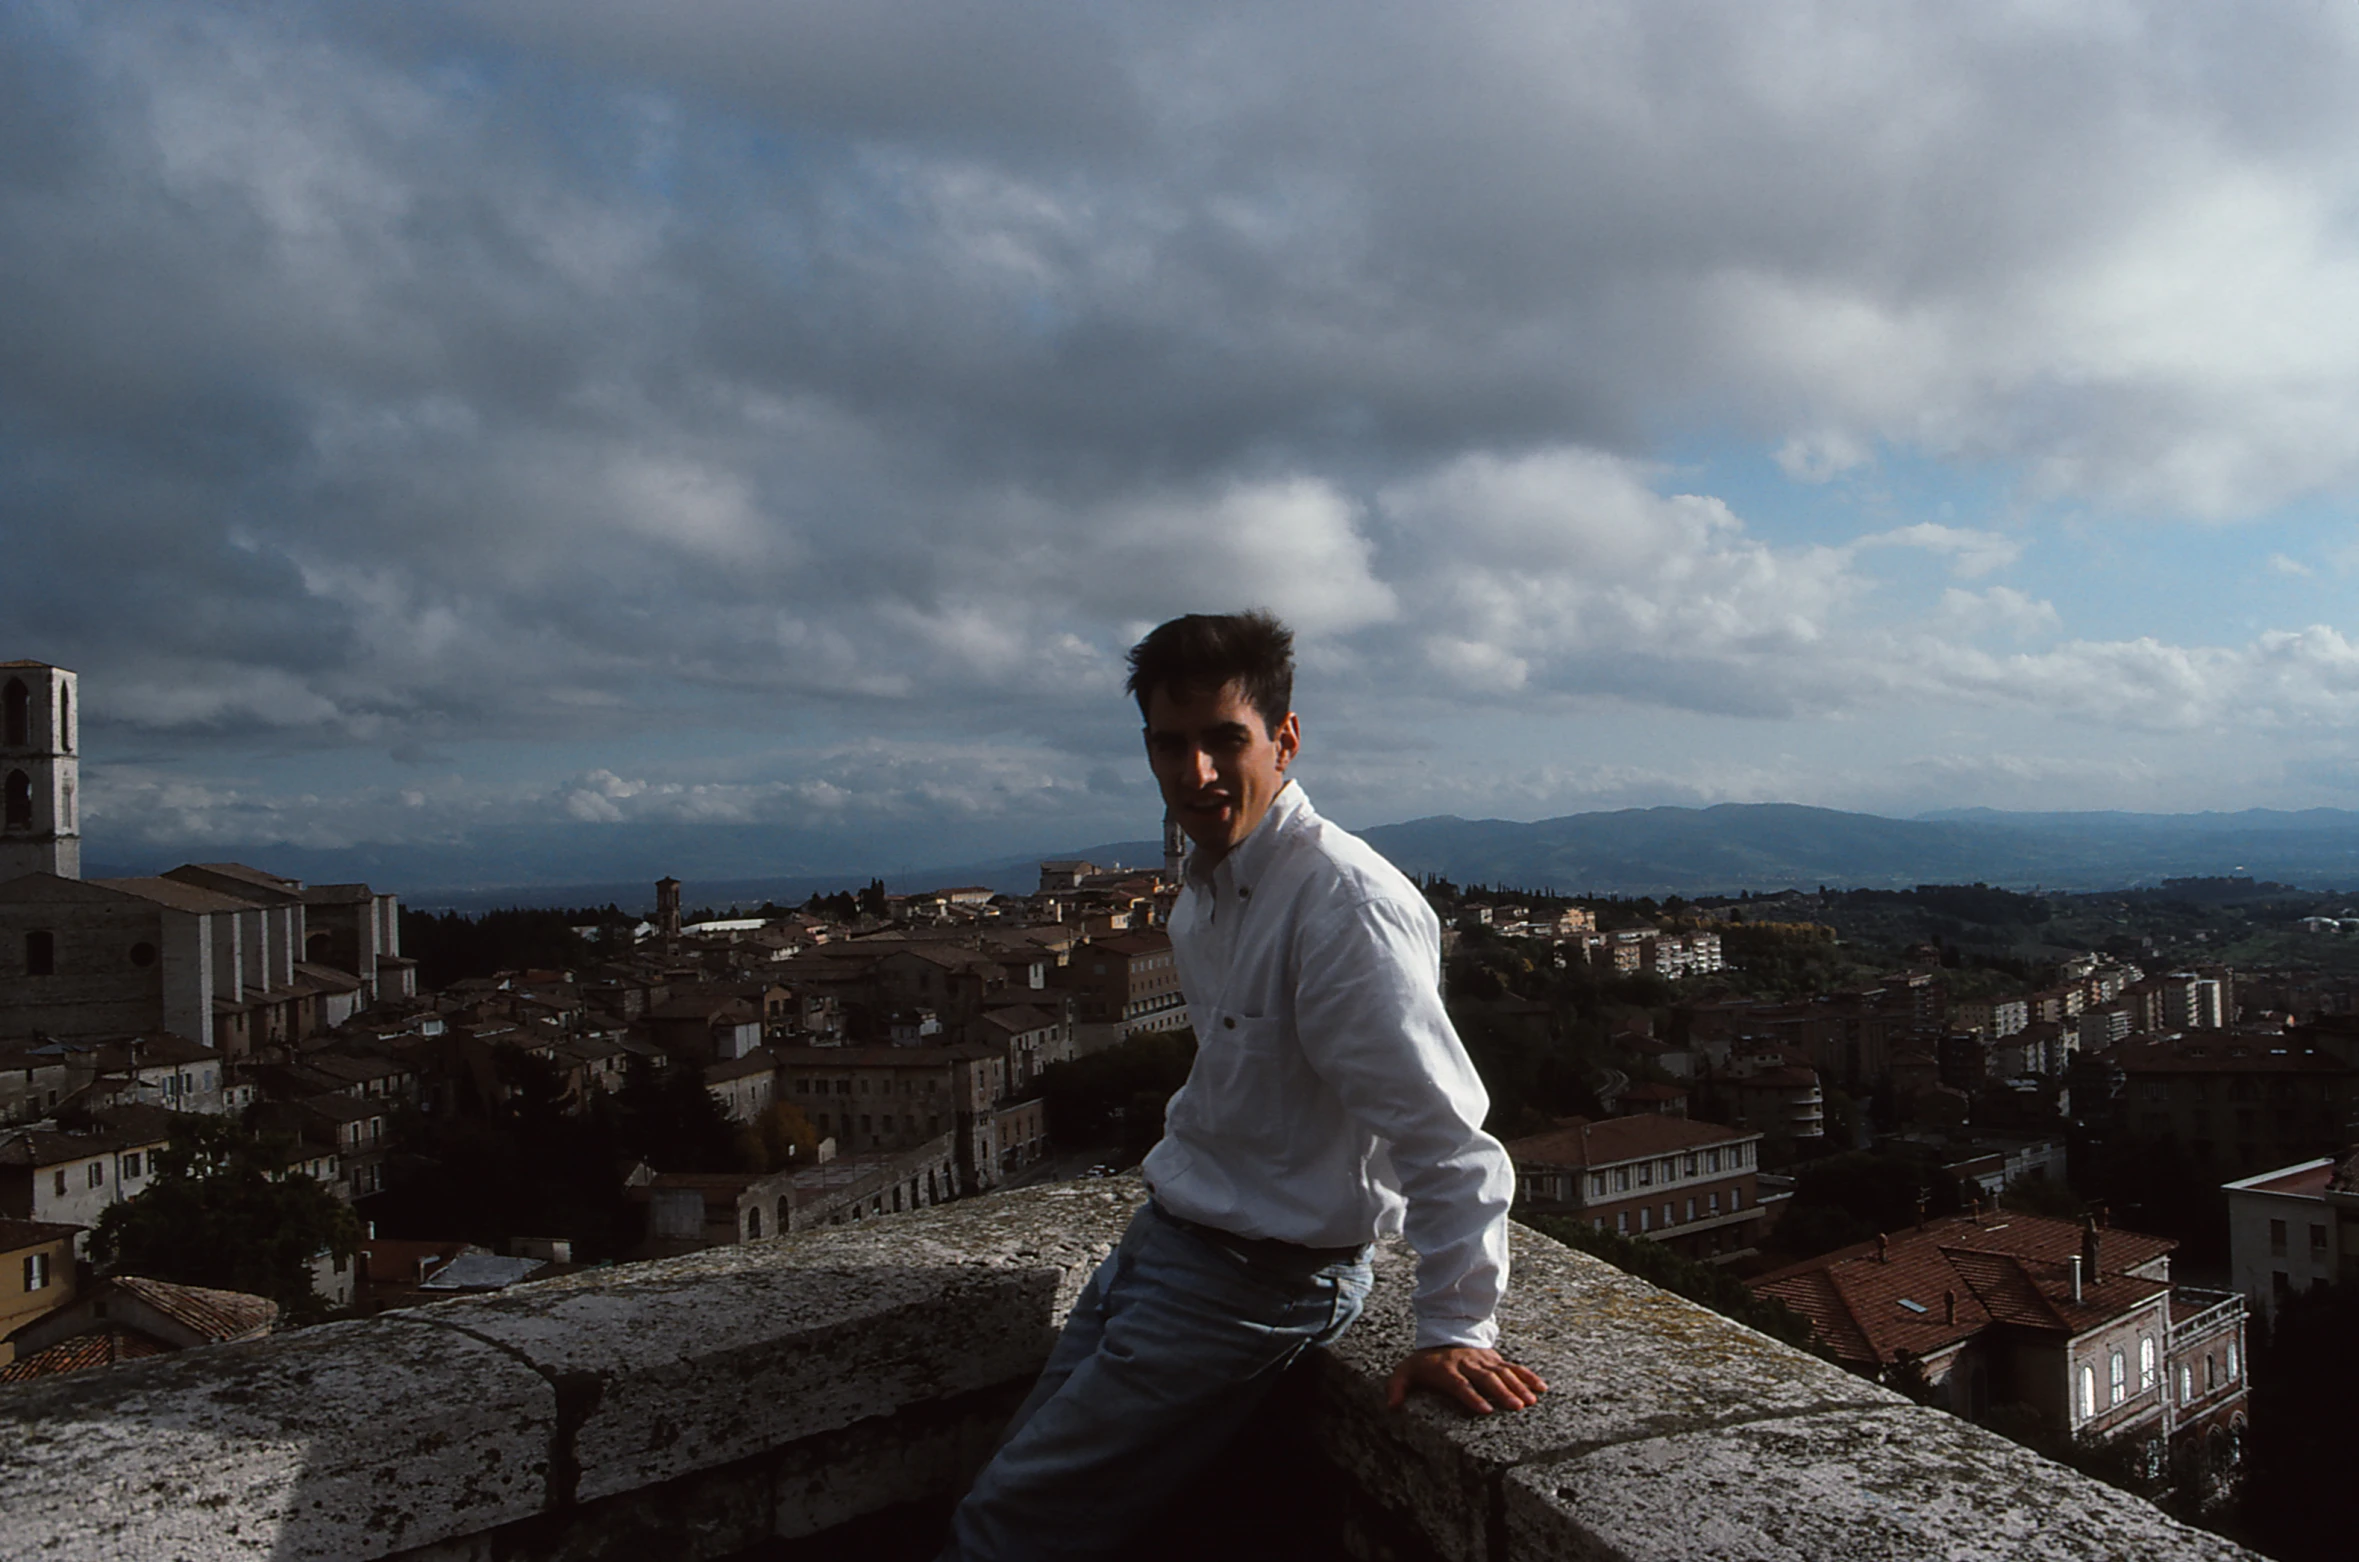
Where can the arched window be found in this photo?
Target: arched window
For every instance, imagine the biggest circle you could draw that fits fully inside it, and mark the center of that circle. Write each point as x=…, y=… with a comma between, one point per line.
x=67, y=822
x=2145, y=1363
x=753, y=1224
x=17, y=812
x=2231, y=1361
x=2117, y=1374
x=2088, y=1392
x=16, y=714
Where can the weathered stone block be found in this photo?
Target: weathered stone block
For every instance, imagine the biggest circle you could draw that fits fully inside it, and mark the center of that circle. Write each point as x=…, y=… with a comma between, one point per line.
x=1891, y=1484
x=353, y=1440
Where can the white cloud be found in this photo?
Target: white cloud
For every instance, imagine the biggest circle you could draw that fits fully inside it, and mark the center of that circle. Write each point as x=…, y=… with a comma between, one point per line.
x=1821, y=458
x=1972, y=553
x=2001, y=608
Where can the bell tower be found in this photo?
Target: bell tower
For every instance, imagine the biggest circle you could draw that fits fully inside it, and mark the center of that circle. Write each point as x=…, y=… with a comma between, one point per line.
x=40, y=741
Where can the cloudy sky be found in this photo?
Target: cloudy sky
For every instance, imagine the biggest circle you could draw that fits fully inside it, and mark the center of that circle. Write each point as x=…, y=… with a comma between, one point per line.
x=576, y=413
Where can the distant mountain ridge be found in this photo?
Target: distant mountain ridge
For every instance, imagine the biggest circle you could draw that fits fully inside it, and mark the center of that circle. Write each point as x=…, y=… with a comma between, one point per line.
x=1726, y=848
x=1766, y=846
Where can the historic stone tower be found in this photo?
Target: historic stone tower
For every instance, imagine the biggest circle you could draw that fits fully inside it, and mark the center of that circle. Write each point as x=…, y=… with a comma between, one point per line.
x=667, y=914
x=1175, y=847
x=40, y=822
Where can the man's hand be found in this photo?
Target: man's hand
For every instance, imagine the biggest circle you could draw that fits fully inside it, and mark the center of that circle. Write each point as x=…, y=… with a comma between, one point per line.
x=1480, y=1380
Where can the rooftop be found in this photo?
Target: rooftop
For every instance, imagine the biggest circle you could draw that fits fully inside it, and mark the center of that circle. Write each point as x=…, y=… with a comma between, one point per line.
x=1612, y=1140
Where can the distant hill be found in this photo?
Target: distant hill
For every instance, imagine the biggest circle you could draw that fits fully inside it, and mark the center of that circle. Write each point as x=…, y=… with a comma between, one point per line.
x=1634, y=851
x=1767, y=846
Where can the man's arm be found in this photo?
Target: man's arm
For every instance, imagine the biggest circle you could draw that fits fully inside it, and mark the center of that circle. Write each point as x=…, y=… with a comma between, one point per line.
x=1369, y=1014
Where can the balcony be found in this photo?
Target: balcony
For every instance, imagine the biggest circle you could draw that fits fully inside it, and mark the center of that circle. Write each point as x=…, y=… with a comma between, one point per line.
x=762, y=1399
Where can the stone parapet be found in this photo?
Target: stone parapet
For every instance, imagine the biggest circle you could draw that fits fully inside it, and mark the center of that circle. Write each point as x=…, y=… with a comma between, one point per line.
x=703, y=1406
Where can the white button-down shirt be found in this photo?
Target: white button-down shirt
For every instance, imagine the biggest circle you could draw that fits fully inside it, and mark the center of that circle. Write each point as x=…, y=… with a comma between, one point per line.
x=1331, y=1101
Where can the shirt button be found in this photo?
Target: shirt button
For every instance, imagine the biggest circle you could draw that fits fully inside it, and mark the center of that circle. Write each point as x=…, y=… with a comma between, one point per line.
x=1244, y=892
x=1228, y=1022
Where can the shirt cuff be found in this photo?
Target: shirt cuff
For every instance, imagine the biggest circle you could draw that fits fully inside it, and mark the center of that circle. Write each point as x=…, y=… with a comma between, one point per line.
x=1481, y=1333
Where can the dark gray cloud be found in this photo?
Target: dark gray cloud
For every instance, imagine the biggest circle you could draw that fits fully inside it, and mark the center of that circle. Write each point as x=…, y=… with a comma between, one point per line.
x=406, y=377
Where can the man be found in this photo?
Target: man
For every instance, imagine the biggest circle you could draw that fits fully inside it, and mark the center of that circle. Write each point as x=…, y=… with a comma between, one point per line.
x=1330, y=1104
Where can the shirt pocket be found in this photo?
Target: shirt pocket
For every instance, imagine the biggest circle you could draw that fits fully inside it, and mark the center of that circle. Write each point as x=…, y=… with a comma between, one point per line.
x=1248, y=1069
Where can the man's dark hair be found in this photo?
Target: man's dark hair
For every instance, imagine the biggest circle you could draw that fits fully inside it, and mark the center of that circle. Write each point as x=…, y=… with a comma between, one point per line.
x=1212, y=650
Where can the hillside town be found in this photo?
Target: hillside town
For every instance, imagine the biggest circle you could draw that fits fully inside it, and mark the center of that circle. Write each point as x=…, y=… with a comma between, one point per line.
x=704, y=1079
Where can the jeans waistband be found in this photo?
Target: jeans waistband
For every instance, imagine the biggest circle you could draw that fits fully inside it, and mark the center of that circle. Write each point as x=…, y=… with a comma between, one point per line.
x=1265, y=1250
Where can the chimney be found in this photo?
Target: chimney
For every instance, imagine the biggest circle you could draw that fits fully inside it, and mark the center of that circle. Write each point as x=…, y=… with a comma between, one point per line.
x=2089, y=1249
x=1949, y=1307
x=1883, y=1249
x=2075, y=1261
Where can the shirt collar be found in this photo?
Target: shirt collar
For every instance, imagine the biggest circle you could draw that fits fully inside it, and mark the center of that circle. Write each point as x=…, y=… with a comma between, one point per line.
x=1251, y=857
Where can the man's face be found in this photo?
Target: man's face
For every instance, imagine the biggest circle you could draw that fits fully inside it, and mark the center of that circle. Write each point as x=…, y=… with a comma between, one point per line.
x=1219, y=767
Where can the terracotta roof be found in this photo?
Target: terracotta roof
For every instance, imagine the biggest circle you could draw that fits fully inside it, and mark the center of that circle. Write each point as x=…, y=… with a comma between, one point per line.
x=1134, y=943
x=326, y=978
x=2224, y=1057
x=1617, y=1139
x=753, y=1063
x=403, y=1261
x=98, y=1348
x=1018, y=1017
x=178, y=896
x=218, y=1315
x=2013, y=1272
x=884, y=1057
x=254, y=876
x=19, y=1234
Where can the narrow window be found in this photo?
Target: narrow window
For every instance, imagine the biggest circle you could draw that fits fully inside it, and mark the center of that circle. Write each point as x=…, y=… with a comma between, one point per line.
x=16, y=712
x=2117, y=1374
x=98, y=1174
x=40, y=954
x=16, y=813
x=2231, y=1361
x=65, y=720
x=2088, y=1392
x=36, y=1271
x=2145, y=1363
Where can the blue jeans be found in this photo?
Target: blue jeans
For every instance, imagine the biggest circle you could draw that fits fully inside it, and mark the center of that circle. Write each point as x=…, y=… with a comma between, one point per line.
x=1171, y=1346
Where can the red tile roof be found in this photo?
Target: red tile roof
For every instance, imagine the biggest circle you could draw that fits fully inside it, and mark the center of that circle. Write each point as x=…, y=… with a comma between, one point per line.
x=217, y=1315
x=1616, y=1139
x=2013, y=1272
x=99, y=1348
x=17, y=1235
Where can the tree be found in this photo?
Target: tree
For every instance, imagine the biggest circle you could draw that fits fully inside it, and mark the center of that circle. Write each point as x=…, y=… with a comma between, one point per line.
x=780, y=1138
x=224, y=1212
x=674, y=1122
x=1117, y=1096
x=2303, y=1380
x=515, y=1162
